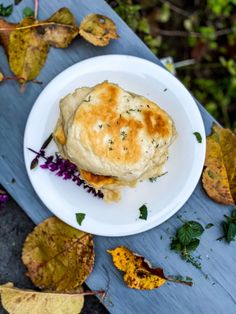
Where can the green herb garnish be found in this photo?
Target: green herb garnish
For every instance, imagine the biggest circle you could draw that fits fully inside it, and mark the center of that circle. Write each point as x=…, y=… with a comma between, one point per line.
x=153, y=179
x=143, y=212
x=6, y=11
x=198, y=136
x=186, y=240
x=28, y=12
x=35, y=161
x=229, y=227
x=208, y=226
x=80, y=217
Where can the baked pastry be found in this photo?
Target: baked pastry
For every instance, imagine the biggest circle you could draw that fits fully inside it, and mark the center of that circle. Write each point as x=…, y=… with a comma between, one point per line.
x=116, y=138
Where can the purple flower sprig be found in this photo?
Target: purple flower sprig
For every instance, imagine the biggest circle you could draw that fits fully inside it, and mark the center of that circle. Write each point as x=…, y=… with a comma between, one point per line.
x=65, y=169
x=3, y=197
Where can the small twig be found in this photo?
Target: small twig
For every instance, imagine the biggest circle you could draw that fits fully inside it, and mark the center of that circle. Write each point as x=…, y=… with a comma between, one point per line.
x=172, y=33
x=36, y=8
x=36, y=25
x=176, y=9
x=187, y=283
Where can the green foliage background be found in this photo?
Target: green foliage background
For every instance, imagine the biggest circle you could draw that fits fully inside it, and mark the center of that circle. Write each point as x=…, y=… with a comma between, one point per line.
x=204, y=31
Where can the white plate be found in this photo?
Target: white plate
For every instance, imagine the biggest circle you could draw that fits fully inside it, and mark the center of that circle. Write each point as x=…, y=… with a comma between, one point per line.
x=164, y=197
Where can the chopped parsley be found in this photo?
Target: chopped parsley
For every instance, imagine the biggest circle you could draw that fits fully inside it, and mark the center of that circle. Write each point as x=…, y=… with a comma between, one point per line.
x=143, y=212
x=80, y=217
x=123, y=135
x=198, y=137
x=208, y=226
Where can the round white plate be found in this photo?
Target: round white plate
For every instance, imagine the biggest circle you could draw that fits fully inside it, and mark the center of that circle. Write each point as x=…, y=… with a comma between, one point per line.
x=164, y=197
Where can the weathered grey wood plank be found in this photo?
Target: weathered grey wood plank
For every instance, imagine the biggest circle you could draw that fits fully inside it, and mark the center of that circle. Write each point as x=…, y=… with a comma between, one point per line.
x=212, y=295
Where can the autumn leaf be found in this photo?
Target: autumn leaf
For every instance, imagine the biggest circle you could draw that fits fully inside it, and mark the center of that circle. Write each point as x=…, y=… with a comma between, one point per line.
x=27, y=43
x=60, y=29
x=27, y=51
x=98, y=29
x=219, y=175
x=4, y=35
x=57, y=256
x=138, y=273
x=19, y=301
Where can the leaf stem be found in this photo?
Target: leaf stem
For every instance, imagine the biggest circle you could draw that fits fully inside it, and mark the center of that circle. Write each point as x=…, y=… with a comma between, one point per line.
x=187, y=283
x=36, y=8
x=36, y=25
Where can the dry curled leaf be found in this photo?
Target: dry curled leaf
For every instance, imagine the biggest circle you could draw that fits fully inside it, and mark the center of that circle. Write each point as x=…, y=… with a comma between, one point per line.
x=19, y=301
x=98, y=29
x=60, y=29
x=57, y=256
x=27, y=51
x=138, y=273
x=219, y=175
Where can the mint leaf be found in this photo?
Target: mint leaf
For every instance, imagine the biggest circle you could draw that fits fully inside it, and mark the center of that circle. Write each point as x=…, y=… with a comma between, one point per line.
x=80, y=217
x=198, y=137
x=193, y=245
x=28, y=12
x=176, y=245
x=185, y=234
x=143, y=212
x=231, y=233
x=197, y=228
x=6, y=11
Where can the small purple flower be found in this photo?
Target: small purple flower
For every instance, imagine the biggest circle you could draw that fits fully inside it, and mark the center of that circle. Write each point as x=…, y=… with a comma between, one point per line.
x=65, y=169
x=3, y=198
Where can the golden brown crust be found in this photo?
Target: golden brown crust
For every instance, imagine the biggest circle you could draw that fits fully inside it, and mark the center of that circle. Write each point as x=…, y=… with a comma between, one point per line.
x=59, y=135
x=95, y=180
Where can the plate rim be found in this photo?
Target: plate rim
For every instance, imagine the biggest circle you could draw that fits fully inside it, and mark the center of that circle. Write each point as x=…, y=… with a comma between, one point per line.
x=146, y=226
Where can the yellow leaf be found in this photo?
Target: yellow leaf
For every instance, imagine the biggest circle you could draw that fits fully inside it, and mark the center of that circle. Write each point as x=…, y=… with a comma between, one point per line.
x=219, y=175
x=1, y=76
x=142, y=279
x=27, y=51
x=98, y=29
x=122, y=257
x=57, y=256
x=19, y=301
x=138, y=273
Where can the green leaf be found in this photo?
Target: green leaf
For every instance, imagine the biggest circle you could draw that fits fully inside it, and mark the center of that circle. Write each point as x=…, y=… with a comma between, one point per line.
x=6, y=11
x=143, y=212
x=176, y=245
x=80, y=217
x=231, y=232
x=185, y=234
x=28, y=12
x=208, y=226
x=198, y=137
x=189, y=231
x=193, y=245
x=197, y=228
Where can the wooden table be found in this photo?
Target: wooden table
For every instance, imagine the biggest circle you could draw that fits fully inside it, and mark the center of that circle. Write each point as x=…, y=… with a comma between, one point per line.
x=214, y=289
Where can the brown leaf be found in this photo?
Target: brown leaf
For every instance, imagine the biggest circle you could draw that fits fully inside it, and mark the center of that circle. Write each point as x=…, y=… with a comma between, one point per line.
x=138, y=273
x=5, y=33
x=57, y=256
x=219, y=175
x=98, y=29
x=19, y=301
x=62, y=31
